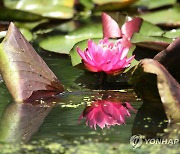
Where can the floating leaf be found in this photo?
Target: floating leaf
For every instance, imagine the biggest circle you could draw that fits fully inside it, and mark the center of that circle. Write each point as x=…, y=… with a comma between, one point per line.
x=153, y=83
x=64, y=43
x=170, y=58
x=152, y=42
x=52, y=8
x=112, y=4
x=27, y=34
x=153, y=4
x=17, y=15
x=174, y=33
x=26, y=75
x=150, y=29
x=167, y=16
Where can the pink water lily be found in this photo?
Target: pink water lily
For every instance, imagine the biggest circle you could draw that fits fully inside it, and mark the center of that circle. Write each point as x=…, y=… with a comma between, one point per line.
x=105, y=113
x=107, y=56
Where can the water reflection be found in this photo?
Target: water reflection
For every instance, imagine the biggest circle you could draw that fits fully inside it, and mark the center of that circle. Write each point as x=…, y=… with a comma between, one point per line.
x=21, y=120
x=150, y=120
x=106, y=113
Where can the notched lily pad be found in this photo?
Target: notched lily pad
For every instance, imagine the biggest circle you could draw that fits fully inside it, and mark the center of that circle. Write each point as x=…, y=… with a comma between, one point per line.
x=26, y=75
x=153, y=83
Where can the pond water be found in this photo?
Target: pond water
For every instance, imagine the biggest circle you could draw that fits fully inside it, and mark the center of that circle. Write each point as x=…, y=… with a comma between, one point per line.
x=57, y=127
x=61, y=123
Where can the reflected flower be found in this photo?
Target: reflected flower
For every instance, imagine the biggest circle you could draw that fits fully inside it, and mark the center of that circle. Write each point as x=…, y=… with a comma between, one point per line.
x=105, y=113
x=107, y=56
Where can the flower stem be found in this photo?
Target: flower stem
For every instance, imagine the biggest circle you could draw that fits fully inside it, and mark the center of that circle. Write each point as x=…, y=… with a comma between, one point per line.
x=103, y=78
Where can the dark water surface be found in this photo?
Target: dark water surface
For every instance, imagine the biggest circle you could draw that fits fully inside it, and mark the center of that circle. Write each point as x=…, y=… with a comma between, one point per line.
x=57, y=125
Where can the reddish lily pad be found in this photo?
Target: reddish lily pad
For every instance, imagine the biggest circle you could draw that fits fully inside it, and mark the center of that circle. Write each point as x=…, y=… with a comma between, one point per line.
x=153, y=83
x=26, y=75
x=170, y=58
x=131, y=27
x=112, y=26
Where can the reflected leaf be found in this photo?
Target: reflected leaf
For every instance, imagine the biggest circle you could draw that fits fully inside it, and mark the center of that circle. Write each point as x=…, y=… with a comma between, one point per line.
x=158, y=86
x=150, y=120
x=64, y=43
x=52, y=8
x=26, y=75
x=20, y=121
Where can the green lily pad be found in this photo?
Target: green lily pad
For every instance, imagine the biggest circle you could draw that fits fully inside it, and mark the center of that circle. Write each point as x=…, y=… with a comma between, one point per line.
x=17, y=15
x=153, y=4
x=112, y=4
x=167, y=16
x=51, y=8
x=27, y=34
x=64, y=43
x=152, y=42
x=150, y=29
x=175, y=33
x=30, y=25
